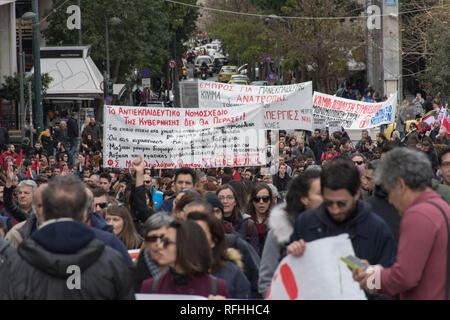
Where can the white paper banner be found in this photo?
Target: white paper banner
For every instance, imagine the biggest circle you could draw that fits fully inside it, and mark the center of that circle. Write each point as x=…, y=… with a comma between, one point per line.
x=318, y=274
x=170, y=138
x=286, y=107
x=354, y=114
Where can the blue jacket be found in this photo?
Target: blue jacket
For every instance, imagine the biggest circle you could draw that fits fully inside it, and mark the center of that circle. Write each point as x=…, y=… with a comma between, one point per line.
x=111, y=240
x=167, y=205
x=238, y=286
x=371, y=237
x=98, y=222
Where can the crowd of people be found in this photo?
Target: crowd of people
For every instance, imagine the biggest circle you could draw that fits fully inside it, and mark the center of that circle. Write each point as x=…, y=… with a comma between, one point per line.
x=219, y=232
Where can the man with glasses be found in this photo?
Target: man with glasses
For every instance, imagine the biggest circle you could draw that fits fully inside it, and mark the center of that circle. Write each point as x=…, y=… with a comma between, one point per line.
x=342, y=212
x=100, y=203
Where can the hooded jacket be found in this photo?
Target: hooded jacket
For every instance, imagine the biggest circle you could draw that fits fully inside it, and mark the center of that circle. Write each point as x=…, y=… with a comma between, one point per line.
x=280, y=231
x=43, y=266
x=238, y=286
x=371, y=237
x=381, y=206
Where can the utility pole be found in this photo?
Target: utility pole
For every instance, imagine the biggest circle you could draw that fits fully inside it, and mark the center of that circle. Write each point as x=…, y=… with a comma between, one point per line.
x=176, y=90
x=391, y=48
x=37, y=69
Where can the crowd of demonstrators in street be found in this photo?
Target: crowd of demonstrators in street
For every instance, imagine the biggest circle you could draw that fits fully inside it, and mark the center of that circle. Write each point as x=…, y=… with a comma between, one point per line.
x=221, y=232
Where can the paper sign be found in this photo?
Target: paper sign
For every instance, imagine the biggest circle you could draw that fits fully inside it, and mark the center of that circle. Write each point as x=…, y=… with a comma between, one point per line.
x=318, y=274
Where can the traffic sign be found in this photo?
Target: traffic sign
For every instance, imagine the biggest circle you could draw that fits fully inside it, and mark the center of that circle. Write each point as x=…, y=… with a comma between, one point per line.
x=271, y=77
x=101, y=85
x=268, y=58
x=172, y=64
x=145, y=73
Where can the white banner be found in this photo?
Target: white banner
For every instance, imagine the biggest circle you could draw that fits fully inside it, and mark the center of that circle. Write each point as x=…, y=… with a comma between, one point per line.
x=318, y=274
x=170, y=138
x=354, y=114
x=286, y=107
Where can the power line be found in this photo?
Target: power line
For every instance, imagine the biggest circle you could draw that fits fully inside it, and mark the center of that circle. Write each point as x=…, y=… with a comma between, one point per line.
x=299, y=18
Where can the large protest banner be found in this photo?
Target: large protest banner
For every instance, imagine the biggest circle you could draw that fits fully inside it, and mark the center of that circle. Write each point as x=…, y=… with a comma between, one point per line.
x=172, y=138
x=319, y=274
x=285, y=107
x=354, y=114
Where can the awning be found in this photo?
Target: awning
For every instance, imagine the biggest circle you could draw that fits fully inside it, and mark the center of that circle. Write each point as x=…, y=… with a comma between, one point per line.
x=74, y=73
x=2, y=2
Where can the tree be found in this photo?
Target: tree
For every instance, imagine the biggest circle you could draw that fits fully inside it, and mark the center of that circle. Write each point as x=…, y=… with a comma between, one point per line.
x=322, y=46
x=142, y=39
x=425, y=45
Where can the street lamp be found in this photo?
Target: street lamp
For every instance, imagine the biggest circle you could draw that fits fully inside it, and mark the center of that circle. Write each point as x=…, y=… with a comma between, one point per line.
x=112, y=21
x=278, y=63
x=25, y=16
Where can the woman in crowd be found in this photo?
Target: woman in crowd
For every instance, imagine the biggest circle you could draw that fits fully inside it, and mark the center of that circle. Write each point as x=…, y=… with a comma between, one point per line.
x=261, y=201
x=119, y=217
x=147, y=263
x=186, y=250
x=243, y=224
x=303, y=194
x=182, y=199
x=227, y=263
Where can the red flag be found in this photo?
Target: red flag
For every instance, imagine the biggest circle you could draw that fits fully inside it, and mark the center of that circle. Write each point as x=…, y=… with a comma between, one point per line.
x=60, y=164
x=28, y=174
x=19, y=159
x=35, y=163
x=87, y=161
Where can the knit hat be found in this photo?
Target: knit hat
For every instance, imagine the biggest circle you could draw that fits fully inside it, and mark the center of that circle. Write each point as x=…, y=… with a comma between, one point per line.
x=214, y=201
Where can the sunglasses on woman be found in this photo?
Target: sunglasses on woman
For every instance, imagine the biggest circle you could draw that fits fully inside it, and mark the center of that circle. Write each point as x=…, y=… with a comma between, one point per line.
x=165, y=241
x=264, y=199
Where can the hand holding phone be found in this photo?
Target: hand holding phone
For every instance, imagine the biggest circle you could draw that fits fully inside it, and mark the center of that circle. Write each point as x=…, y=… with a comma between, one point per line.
x=354, y=262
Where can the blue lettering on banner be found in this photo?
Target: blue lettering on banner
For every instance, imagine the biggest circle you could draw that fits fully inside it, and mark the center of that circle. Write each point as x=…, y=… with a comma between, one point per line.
x=390, y=3
x=383, y=115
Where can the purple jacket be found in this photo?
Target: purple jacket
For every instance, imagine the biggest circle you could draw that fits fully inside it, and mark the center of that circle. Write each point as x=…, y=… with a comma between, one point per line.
x=173, y=283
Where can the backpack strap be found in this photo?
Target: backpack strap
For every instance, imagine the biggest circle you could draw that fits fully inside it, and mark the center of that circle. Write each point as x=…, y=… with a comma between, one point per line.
x=155, y=284
x=250, y=224
x=447, y=280
x=213, y=281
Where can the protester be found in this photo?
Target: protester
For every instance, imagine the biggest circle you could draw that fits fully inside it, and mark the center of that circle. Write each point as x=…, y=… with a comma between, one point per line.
x=226, y=263
x=119, y=217
x=45, y=260
x=244, y=225
x=303, y=194
x=185, y=178
x=259, y=207
x=419, y=271
x=186, y=250
x=342, y=212
x=148, y=264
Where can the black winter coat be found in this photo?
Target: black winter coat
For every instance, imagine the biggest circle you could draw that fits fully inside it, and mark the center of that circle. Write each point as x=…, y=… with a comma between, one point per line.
x=40, y=270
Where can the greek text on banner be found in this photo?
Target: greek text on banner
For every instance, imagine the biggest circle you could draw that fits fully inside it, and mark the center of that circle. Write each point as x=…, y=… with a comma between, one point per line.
x=285, y=107
x=354, y=114
x=173, y=138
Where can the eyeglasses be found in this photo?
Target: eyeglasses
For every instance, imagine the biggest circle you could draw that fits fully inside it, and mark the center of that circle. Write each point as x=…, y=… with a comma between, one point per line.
x=258, y=199
x=358, y=162
x=228, y=198
x=154, y=238
x=102, y=205
x=340, y=204
x=166, y=241
x=445, y=164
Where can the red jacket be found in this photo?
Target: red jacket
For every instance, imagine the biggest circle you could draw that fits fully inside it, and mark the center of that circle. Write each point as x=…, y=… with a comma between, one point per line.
x=199, y=286
x=420, y=268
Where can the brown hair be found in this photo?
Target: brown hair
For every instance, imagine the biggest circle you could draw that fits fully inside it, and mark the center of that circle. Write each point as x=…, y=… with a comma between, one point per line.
x=217, y=231
x=193, y=252
x=128, y=235
x=257, y=188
